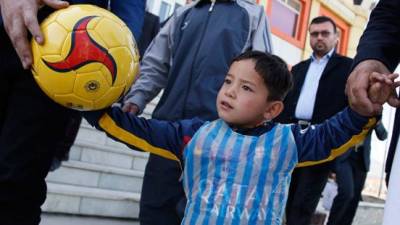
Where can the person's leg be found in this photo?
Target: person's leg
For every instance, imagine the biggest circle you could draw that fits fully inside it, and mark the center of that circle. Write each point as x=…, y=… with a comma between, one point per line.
x=163, y=215
x=292, y=191
x=161, y=193
x=32, y=126
x=4, y=93
x=7, y=54
x=344, y=179
x=311, y=182
x=359, y=176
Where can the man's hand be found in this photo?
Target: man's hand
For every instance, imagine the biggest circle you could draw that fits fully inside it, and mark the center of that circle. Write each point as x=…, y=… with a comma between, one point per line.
x=19, y=16
x=131, y=108
x=357, y=87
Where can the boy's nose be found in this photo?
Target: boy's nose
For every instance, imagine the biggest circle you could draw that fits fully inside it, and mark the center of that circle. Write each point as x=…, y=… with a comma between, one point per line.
x=230, y=92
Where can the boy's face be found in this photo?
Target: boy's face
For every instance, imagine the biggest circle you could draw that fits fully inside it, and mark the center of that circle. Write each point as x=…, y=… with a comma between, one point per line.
x=242, y=99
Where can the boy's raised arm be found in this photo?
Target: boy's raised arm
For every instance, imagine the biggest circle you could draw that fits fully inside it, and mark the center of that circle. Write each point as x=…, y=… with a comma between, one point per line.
x=163, y=138
x=324, y=142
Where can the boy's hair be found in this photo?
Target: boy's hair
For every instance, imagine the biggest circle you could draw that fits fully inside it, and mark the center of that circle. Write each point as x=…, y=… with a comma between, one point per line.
x=273, y=71
x=323, y=19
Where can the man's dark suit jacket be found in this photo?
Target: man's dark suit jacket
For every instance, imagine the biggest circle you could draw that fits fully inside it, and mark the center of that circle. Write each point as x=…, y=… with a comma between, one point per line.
x=381, y=41
x=365, y=148
x=330, y=97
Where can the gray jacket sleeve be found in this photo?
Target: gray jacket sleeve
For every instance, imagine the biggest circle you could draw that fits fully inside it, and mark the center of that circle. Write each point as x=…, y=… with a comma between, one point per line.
x=154, y=68
x=262, y=36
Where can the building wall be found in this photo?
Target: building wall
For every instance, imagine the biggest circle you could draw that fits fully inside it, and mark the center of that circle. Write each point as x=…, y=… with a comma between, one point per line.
x=164, y=8
x=290, y=53
x=353, y=18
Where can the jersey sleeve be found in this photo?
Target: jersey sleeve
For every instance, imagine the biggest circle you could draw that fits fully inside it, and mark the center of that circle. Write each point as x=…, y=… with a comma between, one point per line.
x=323, y=142
x=163, y=138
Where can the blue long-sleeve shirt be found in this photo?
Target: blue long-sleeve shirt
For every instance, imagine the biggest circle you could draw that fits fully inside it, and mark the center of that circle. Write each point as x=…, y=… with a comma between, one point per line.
x=168, y=139
x=235, y=176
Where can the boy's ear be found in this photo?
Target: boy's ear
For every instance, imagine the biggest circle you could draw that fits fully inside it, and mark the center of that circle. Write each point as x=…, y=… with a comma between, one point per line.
x=273, y=109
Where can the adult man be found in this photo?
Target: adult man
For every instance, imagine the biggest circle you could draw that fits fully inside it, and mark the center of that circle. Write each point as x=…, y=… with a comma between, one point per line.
x=316, y=80
x=189, y=58
x=379, y=51
x=31, y=125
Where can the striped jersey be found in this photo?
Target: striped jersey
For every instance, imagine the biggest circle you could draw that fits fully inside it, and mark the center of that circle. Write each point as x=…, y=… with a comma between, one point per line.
x=230, y=178
x=235, y=176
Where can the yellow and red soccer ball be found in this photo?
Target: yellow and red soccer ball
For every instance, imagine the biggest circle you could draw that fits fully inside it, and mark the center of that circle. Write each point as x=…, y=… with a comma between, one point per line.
x=89, y=58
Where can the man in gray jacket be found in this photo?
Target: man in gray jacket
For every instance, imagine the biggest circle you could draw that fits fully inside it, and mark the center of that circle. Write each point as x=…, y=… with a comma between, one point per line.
x=189, y=59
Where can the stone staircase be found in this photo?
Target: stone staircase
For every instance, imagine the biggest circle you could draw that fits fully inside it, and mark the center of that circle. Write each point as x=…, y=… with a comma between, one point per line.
x=101, y=178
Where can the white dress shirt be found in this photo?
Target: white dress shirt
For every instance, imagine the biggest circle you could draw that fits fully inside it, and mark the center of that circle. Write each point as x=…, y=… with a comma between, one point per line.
x=308, y=94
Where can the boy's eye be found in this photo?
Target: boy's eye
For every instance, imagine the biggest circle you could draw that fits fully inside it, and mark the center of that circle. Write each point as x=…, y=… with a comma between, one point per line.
x=247, y=88
x=227, y=81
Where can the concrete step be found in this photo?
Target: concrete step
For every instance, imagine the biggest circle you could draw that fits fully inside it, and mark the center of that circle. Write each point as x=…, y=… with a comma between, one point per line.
x=68, y=219
x=69, y=199
x=95, y=147
x=106, y=152
x=97, y=176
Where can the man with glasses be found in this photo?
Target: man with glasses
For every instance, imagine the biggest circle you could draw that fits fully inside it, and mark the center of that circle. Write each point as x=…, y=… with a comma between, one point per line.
x=318, y=94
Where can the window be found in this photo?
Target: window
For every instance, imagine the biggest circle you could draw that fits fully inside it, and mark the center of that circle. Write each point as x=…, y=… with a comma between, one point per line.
x=149, y=4
x=284, y=16
x=342, y=29
x=164, y=11
x=288, y=19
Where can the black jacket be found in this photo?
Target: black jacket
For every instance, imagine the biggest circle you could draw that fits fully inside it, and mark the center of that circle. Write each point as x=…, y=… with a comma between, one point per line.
x=381, y=41
x=330, y=97
x=151, y=26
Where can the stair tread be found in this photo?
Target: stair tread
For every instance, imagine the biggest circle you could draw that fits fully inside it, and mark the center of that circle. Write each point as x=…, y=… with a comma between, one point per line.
x=66, y=189
x=112, y=149
x=102, y=168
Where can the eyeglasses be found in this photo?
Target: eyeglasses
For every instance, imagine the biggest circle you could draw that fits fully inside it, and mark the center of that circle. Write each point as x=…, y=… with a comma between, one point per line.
x=324, y=34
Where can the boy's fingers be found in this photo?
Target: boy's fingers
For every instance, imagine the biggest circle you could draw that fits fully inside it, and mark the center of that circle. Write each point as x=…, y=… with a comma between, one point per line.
x=393, y=76
x=356, y=89
x=362, y=103
x=393, y=101
x=396, y=84
x=131, y=108
x=390, y=78
x=374, y=76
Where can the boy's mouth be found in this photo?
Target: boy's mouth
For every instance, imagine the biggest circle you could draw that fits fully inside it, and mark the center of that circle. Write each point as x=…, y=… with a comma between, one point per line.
x=226, y=105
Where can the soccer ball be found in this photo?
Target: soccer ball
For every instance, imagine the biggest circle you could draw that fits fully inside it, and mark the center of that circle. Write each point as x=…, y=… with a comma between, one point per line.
x=89, y=58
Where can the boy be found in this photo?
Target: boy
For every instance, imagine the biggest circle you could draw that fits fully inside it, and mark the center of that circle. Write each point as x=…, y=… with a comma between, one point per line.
x=237, y=168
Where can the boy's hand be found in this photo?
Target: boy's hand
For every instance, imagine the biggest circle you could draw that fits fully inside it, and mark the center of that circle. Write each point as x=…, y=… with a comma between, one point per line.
x=382, y=88
x=357, y=87
x=131, y=108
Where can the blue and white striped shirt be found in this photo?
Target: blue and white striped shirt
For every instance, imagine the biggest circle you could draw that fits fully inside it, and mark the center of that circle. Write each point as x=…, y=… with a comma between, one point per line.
x=232, y=178
x=229, y=177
